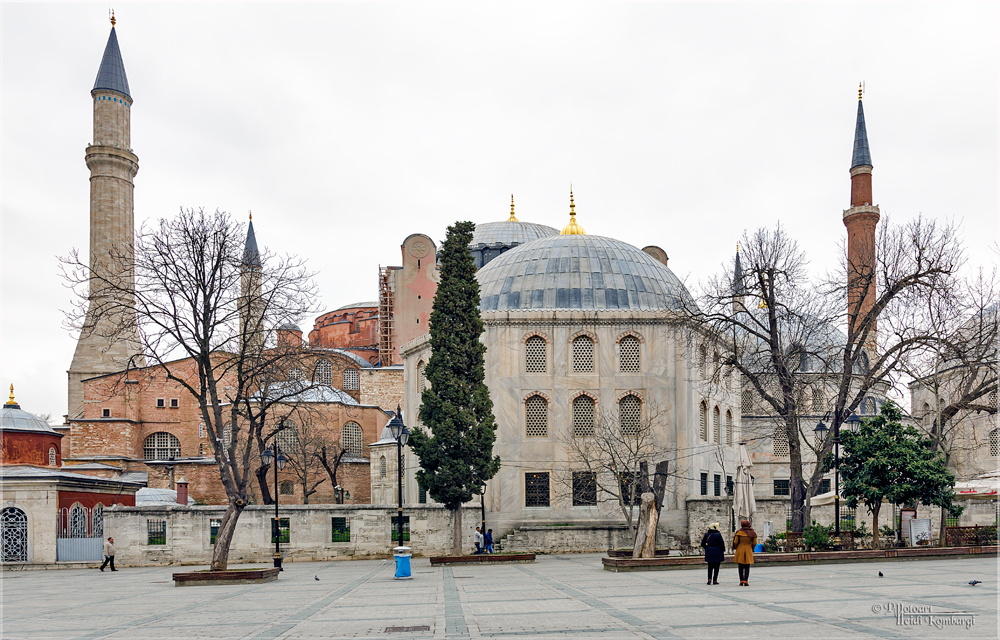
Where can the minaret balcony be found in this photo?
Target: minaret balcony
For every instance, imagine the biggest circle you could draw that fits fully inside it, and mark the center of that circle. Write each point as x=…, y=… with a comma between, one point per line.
x=865, y=208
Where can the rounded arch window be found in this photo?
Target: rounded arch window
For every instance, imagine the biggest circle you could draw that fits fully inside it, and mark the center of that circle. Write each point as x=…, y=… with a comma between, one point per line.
x=52, y=456
x=382, y=467
x=97, y=516
x=629, y=355
x=14, y=534
x=161, y=446
x=288, y=438
x=324, y=373
x=729, y=428
x=583, y=416
x=534, y=355
x=352, y=439
x=717, y=425
x=703, y=420
x=583, y=354
x=78, y=521
x=421, y=376
x=536, y=411
x=780, y=442
x=630, y=415
x=746, y=401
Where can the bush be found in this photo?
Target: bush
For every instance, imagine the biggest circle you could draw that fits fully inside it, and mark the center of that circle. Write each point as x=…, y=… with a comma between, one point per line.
x=773, y=544
x=816, y=536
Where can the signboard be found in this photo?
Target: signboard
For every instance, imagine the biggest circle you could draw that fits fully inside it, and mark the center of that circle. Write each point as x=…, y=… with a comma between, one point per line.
x=766, y=530
x=919, y=531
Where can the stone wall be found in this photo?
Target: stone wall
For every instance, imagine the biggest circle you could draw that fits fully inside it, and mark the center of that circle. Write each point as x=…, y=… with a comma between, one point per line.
x=383, y=387
x=568, y=539
x=188, y=539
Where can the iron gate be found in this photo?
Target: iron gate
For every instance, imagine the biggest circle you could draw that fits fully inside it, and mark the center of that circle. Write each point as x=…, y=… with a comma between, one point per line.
x=80, y=534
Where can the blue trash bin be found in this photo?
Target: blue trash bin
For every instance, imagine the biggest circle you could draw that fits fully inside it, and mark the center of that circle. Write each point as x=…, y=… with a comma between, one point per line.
x=758, y=549
x=402, y=555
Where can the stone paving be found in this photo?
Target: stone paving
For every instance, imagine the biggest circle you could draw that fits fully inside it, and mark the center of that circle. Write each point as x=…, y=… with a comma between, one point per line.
x=557, y=596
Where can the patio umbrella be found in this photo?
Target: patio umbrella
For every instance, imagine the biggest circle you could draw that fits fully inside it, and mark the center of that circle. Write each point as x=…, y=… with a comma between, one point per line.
x=745, y=505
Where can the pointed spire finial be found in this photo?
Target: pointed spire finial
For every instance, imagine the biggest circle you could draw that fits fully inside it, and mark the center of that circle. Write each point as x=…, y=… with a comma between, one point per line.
x=112, y=18
x=11, y=399
x=251, y=215
x=512, y=218
x=572, y=229
x=737, y=246
x=861, y=89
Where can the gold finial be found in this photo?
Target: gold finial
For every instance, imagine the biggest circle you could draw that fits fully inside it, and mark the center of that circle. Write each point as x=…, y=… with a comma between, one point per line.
x=11, y=400
x=251, y=215
x=112, y=18
x=737, y=246
x=861, y=89
x=572, y=229
x=512, y=218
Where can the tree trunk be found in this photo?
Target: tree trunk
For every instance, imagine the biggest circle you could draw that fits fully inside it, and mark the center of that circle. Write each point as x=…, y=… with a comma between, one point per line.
x=942, y=539
x=224, y=538
x=456, y=538
x=265, y=489
x=645, y=540
x=796, y=488
x=875, y=510
x=660, y=485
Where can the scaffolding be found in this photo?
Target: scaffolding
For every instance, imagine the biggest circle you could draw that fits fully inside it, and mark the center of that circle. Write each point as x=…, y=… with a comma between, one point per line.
x=385, y=308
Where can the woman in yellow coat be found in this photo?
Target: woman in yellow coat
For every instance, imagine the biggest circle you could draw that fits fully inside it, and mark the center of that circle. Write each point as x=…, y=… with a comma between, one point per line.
x=743, y=543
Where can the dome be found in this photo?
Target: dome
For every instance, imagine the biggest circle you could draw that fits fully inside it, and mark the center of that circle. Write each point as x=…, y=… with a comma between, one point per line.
x=509, y=232
x=578, y=272
x=17, y=419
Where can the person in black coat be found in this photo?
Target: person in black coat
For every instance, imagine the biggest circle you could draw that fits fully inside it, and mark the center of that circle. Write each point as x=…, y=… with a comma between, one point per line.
x=715, y=551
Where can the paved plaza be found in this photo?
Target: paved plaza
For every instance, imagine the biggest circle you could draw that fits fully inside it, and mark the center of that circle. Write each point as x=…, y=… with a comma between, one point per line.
x=563, y=595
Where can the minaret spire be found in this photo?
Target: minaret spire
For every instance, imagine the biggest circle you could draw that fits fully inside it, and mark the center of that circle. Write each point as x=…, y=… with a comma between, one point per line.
x=512, y=218
x=739, y=290
x=572, y=229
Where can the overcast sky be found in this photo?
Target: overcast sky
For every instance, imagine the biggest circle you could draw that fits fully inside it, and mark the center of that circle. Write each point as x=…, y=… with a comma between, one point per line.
x=347, y=126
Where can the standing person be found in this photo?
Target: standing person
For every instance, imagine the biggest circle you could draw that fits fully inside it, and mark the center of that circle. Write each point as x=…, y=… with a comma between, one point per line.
x=109, y=554
x=489, y=540
x=479, y=542
x=715, y=551
x=743, y=544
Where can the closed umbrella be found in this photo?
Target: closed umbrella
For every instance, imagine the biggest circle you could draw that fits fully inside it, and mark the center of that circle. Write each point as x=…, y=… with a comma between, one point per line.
x=745, y=505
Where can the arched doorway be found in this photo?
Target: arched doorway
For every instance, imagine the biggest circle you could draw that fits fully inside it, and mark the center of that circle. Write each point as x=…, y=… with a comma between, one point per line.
x=14, y=532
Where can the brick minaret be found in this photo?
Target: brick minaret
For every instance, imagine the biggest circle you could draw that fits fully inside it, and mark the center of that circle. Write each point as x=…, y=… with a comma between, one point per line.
x=860, y=221
x=112, y=166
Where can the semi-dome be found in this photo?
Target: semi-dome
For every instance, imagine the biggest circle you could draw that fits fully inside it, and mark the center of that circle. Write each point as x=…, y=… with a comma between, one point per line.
x=510, y=232
x=578, y=272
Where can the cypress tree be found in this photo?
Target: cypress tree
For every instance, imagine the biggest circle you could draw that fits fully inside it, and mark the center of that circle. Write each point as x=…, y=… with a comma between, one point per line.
x=456, y=452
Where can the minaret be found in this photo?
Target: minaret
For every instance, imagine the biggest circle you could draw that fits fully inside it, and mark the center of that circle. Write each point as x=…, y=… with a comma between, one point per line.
x=112, y=166
x=251, y=329
x=860, y=221
x=739, y=288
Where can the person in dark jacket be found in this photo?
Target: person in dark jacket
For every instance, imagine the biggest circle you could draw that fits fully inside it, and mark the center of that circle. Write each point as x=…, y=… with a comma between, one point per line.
x=715, y=551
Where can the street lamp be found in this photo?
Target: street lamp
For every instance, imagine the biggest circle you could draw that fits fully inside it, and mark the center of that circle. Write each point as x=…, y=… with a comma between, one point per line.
x=341, y=494
x=267, y=457
x=852, y=422
x=401, y=435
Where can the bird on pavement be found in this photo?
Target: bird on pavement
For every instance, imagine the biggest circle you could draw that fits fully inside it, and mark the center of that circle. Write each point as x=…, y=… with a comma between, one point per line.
x=317, y=577
x=880, y=574
x=974, y=582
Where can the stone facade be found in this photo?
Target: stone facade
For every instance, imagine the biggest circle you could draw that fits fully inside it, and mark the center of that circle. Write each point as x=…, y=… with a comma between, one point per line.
x=382, y=387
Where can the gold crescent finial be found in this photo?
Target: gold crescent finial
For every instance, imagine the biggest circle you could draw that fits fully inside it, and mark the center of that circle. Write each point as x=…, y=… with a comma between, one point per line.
x=251, y=215
x=512, y=218
x=112, y=18
x=572, y=229
x=861, y=89
x=11, y=400
x=737, y=246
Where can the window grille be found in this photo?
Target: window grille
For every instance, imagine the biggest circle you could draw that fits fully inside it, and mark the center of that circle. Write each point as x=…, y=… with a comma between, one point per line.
x=324, y=373
x=746, y=401
x=994, y=443
x=534, y=355
x=630, y=415
x=105, y=413
x=788, y=518
x=824, y=485
x=201, y=429
x=702, y=361
x=729, y=428
x=78, y=522
x=296, y=374
x=781, y=488
x=730, y=487
x=848, y=518
x=421, y=376
x=717, y=485
x=97, y=520
x=422, y=498
x=284, y=531
x=583, y=416
x=817, y=401
x=583, y=355
x=536, y=489
x=536, y=411
x=351, y=439
x=161, y=403
x=780, y=442
x=287, y=439
x=951, y=521
x=156, y=532
x=628, y=355
x=717, y=425
x=584, y=489
x=715, y=364
x=993, y=399
x=287, y=488
x=161, y=446
x=175, y=403
x=213, y=529
x=631, y=487
x=704, y=484
x=52, y=456
x=14, y=534
x=395, y=528
x=227, y=435
x=341, y=530
x=352, y=380
x=703, y=420
x=381, y=467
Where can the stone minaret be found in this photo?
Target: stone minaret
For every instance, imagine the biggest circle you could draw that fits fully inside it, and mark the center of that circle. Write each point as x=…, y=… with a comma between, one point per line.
x=251, y=320
x=739, y=287
x=860, y=221
x=112, y=166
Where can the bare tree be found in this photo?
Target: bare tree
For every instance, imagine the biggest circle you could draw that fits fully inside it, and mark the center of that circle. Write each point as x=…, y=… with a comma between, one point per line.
x=330, y=456
x=793, y=339
x=608, y=462
x=205, y=305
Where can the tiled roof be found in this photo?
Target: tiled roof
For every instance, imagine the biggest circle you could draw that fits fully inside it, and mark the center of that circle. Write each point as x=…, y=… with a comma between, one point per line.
x=111, y=75
x=510, y=232
x=862, y=156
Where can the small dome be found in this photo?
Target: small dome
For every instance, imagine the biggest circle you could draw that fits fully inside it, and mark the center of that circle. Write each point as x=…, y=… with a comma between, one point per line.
x=578, y=272
x=17, y=419
x=290, y=326
x=510, y=232
x=358, y=305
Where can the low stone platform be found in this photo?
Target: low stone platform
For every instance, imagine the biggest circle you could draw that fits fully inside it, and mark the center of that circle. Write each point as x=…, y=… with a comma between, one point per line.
x=234, y=576
x=806, y=557
x=484, y=558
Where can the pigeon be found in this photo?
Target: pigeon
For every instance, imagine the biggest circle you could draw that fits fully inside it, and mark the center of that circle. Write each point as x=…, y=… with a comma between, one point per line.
x=975, y=582
x=880, y=574
x=317, y=577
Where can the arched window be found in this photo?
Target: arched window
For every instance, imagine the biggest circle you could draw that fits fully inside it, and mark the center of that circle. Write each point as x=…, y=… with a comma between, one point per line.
x=324, y=373
x=288, y=438
x=421, y=376
x=381, y=467
x=536, y=413
x=702, y=361
x=98, y=520
x=583, y=416
x=729, y=428
x=630, y=415
x=746, y=401
x=352, y=380
x=14, y=534
x=994, y=443
x=227, y=435
x=780, y=440
x=296, y=374
x=78, y=522
x=715, y=363
x=534, y=355
x=703, y=420
x=161, y=446
x=629, y=359
x=52, y=456
x=717, y=425
x=817, y=401
x=352, y=439
x=926, y=417
x=583, y=354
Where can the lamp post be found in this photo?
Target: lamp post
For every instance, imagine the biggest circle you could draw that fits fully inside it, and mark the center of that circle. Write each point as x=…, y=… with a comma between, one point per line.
x=401, y=435
x=852, y=421
x=280, y=461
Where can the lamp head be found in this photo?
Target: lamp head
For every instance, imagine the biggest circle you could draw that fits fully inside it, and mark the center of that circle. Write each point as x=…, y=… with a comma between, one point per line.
x=852, y=421
x=282, y=461
x=820, y=430
x=267, y=457
x=395, y=426
x=404, y=436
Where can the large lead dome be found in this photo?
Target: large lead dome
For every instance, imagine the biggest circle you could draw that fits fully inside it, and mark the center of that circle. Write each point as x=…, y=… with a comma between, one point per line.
x=578, y=272
x=510, y=232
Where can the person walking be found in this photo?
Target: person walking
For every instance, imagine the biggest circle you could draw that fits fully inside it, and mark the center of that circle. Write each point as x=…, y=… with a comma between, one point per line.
x=109, y=553
x=479, y=542
x=715, y=551
x=488, y=539
x=743, y=544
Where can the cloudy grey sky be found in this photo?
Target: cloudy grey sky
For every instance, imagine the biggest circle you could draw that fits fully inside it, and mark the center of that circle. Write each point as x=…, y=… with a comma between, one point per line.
x=347, y=126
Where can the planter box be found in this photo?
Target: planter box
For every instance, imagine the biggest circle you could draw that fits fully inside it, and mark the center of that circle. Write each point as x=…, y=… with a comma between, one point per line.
x=627, y=553
x=485, y=558
x=233, y=576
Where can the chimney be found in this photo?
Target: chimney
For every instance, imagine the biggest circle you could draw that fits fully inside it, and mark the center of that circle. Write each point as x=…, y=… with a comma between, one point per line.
x=182, y=491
